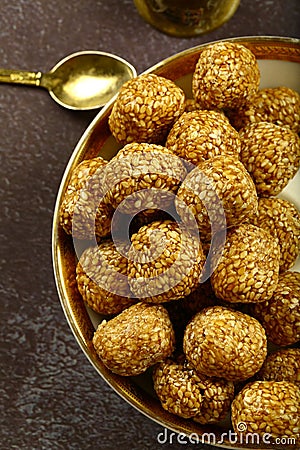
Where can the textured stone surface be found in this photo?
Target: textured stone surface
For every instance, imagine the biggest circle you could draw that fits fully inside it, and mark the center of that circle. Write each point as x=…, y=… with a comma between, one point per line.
x=51, y=397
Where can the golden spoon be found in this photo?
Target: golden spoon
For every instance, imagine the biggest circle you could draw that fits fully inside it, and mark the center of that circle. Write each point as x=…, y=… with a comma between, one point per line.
x=83, y=80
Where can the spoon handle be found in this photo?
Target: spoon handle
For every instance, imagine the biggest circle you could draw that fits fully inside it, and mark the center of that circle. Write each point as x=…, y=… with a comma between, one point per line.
x=20, y=77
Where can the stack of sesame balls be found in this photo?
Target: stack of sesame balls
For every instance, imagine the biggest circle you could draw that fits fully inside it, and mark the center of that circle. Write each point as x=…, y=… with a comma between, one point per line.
x=202, y=286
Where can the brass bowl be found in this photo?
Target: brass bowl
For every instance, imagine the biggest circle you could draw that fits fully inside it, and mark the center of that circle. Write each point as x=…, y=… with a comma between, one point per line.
x=279, y=61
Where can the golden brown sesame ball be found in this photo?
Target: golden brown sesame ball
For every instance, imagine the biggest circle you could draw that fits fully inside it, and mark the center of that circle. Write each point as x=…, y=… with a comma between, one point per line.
x=271, y=407
x=142, y=176
x=101, y=276
x=226, y=76
x=279, y=105
x=146, y=109
x=282, y=219
x=82, y=212
x=165, y=262
x=221, y=342
x=187, y=394
x=280, y=315
x=271, y=154
x=249, y=266
x=137, y=338
x=217, y=398
x=179, y=390
x=281, y=365
x=200, y=135
x=218, y=189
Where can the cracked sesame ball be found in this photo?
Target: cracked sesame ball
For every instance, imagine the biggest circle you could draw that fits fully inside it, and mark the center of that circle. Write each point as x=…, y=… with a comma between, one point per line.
x=101, y=276
x=281, y=365
x=82, y=212
x=179, y=390
x=200, y=135
x=165, y=262
x=226, y=76
x=136, y=339
x=271, y=407
x=248, y=268
x=279, y=105
x=145, y=109
x=271, y=154
x=282, y=219
x=187, y=394
x=221, y=342
x=142, y=176
x=280, y=314
x=218, y=395
x=219, y=193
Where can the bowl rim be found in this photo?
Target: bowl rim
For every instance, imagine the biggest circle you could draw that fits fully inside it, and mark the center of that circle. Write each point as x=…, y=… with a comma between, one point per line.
x=125, y=390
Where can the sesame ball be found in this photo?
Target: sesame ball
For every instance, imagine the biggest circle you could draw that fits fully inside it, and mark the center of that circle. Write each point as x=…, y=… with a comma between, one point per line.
x=280, y=315
x=217, y=398
x=142, y=176
x=200, y=135
x=182, y=391
x=281, y=365
x=82, y=212
x=165, y=262
x=271, y=154
x=271, y=407
x=179, y=391
x=221, y=342
x=219, y=193
x=282, y=219
x=101, y=276
x=279, y=105
x=248, y=269
x=134, y=340
x=145, y=109
x=226, y=76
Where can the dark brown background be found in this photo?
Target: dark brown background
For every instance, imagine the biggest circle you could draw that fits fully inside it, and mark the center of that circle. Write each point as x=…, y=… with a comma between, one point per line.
x=51, y=398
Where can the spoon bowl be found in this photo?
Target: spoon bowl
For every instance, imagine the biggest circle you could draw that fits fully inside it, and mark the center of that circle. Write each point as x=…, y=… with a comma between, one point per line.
x=81, y=81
